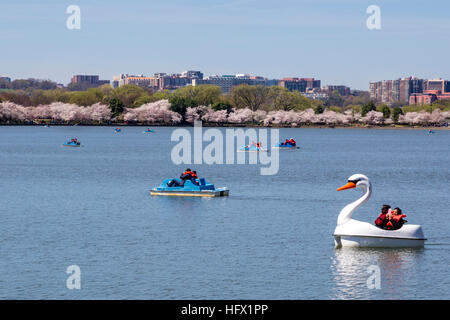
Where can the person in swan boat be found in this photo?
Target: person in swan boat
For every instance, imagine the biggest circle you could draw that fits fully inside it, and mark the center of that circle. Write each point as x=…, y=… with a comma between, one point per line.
x=390, y=219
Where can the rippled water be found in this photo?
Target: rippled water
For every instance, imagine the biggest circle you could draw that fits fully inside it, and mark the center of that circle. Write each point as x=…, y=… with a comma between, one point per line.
x=270, y=239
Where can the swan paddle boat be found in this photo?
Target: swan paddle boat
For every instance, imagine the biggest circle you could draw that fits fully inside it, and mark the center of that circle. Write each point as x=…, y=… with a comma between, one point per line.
x=190, y=189
x=72, y=143
x=148, y=131
x=353, y=233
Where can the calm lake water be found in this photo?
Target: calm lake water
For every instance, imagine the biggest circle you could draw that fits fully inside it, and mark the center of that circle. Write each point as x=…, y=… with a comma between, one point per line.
x=270, y=239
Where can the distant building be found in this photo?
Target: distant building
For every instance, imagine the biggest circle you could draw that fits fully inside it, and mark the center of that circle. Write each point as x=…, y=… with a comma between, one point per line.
x=192, y=75
x=226, y=82
x=5, y=82
x=399, y=90
x=300, y=84
x=159, y=81
x=428, y=97
x=422, y=98
x=88, y=80
x=437, y=84
x=342, y=90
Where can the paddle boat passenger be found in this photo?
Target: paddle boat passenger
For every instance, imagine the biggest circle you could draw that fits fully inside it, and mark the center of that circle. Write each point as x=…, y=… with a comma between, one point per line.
x=381, y=220
x=72, y=143
x=289, y=142
x=186, y=175
x=390, y=219
x=395, y=219
x=190, y=186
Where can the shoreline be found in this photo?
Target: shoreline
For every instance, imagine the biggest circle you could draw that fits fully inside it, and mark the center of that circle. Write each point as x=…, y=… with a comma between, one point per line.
x=312, y=126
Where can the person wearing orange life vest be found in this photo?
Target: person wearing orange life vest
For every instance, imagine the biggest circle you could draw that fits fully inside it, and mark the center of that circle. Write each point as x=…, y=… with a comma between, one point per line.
x=395, y=219
x=382, y=220
x=194, y=178
x=292, y=142
x=186, y=175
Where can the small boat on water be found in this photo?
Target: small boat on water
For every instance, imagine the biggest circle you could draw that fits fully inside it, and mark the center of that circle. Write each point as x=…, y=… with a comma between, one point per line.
x=117, y=130
x=72, y=143
x=253, y=147
x=353, y=233
x=284, y=146
x=148, y=131
x=288, y=144
x=190, y=189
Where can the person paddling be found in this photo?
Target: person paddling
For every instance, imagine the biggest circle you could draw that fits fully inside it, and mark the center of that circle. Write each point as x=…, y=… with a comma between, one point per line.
x=186, y=175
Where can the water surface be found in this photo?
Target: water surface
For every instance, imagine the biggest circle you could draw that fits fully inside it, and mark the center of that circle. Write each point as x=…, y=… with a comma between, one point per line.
x=270, y=239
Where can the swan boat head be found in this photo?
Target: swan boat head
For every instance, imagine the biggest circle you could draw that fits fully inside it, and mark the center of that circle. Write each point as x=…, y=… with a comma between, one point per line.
x=355, y=181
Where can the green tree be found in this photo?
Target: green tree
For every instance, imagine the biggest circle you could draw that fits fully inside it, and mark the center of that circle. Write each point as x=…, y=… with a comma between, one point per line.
x=222, y=105
x=245, y=96
x=128, y=94
x=386, y=111
x=319, y=109
x=367, y=108
x=180, y=104
x=287, y=100
x=84, y=98
x=145, y=98
x=396, y=114
x=116, y=106
x=202, y=95
x=335, y=99
x=161, y=95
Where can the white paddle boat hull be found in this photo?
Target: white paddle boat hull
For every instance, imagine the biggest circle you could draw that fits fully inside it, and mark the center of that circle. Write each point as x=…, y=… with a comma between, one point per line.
x=356, y=233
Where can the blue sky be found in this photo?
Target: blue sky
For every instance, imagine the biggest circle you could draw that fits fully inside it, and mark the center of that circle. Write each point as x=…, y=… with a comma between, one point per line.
x=324, y=39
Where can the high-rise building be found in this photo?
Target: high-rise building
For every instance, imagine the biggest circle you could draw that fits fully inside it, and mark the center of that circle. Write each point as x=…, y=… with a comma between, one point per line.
x=399, y=90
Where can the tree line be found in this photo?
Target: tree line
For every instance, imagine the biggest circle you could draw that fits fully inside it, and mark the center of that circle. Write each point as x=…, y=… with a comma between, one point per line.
x=254, y=98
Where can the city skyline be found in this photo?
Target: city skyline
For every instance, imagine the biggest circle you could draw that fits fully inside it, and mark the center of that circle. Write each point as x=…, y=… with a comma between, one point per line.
x=322, y=39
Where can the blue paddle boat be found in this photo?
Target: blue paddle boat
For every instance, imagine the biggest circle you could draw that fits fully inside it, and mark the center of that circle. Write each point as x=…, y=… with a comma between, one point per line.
x=190, y=189
x=253, y=147
x=117, y=130
x=287, y=146
x=72, y=143
x=148, y=131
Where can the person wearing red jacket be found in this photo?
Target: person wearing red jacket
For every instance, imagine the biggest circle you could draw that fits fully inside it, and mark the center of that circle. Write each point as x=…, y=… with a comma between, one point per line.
x=381, y=221
x=395, y=219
